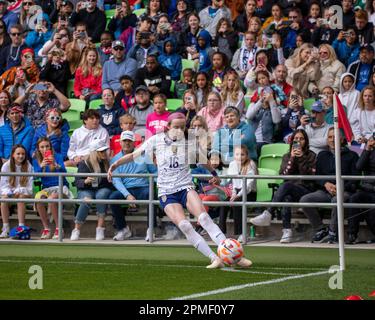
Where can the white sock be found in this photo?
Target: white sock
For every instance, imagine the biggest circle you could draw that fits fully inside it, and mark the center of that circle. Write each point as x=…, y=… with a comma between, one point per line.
x=21, y=224
x=5, y=226
x=196, y=240
x=213, y=230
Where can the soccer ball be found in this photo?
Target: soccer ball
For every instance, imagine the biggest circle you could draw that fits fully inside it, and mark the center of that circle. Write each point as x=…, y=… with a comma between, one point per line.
x=230, y=251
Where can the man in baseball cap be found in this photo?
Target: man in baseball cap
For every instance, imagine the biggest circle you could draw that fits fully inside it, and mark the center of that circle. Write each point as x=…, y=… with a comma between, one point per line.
x=364, y=67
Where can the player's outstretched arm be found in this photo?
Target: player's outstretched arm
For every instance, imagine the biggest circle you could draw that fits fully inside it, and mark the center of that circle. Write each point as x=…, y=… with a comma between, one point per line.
x=123, y=160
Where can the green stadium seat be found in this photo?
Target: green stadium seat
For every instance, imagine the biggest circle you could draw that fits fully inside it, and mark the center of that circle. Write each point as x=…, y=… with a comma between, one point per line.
x=77, y=105
x=186, y=63
x=307, y=103
x=171, y=89
x=95, y=104
x=174, y=104
x=72, y=115
x=272, y=161
x=139, y=12
x=110, y=13
x=264, y=191
x=74, y=124
x=70, y=90
x=70, y=179
x=274, y=148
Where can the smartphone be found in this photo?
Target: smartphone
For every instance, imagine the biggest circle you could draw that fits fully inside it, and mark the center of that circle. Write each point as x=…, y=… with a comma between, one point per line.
x=40, y=87
x=82, y=35
x=294, y=97
x=296, y=145
x=189, y=99
x=47, y=155
x=262, y=61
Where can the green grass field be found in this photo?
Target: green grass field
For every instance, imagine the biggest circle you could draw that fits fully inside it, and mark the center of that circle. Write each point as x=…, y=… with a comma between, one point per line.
x=166, y=272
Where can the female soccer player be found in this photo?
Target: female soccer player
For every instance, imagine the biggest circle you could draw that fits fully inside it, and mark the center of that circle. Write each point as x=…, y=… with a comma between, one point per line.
x=175, y=186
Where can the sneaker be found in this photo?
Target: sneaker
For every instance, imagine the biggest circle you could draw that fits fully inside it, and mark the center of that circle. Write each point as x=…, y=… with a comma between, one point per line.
x=147, y=238
x=123, y=234
x=99, y=234
x=352, y=239
x=287, y=236
x=217, y=263
x=263, y=220
x=332, y=237
x=244, y=263
x=56, y=234
x=171, y=234
x=4, y=233
x=75, y=235
x=46, y=234
x=320, y=236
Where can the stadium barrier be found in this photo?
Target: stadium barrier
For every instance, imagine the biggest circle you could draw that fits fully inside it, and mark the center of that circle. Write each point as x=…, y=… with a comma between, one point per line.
x=244, y=203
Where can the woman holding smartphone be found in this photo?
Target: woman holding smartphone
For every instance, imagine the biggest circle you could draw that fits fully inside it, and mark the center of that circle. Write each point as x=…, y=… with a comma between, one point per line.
x=300, y=160
x=190, y=106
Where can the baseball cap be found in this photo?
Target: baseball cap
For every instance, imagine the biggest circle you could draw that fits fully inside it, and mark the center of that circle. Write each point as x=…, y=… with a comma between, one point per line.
x=118, y=43
x=368, y=47
x=317, y=106
x=127, y=135
x=144, y=88
x=97, y=145
x=15, y=107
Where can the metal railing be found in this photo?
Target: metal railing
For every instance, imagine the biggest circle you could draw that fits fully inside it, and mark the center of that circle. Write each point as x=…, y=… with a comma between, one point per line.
x=151, y=201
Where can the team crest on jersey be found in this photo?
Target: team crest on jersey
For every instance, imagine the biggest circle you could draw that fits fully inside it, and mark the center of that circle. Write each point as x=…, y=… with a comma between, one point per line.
x=164, y=198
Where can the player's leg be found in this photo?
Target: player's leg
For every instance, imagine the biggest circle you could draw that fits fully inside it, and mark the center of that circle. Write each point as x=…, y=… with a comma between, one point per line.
x=195, y=207
x=175, y=212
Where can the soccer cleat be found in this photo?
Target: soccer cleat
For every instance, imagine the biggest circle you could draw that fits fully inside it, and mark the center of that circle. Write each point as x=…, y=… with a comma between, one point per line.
x=46, y=234
x=4, y=233
x=75, y=235
x=123, y=234
x=263, y=220
x=321, y=235
x=244, y=263
x=99, y=234
x=56, y=234
x=287, y=236
x=217, y=263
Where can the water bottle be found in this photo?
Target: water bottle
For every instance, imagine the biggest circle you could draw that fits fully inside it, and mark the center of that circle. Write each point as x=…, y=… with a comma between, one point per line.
x=252, y=232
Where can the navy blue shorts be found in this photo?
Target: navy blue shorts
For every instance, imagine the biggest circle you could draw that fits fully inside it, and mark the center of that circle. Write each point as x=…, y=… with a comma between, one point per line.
x=178, y=197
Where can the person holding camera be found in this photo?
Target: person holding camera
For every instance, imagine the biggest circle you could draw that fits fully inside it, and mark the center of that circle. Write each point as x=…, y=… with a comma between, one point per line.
x=123, y=19
x=325, y=31
x=346, y=46
x=36, y=38
x=365, y=194
x=142, y=48
x=95, y=20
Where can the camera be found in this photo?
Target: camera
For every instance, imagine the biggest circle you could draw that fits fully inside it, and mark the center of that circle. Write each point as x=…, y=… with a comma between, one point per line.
x=323, y=21
x=85, y=5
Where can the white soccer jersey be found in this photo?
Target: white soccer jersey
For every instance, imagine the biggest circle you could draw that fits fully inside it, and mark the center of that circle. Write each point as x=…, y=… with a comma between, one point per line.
x=172, y=161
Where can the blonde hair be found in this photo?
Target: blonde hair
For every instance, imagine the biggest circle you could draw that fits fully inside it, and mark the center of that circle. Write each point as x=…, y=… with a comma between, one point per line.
x=233, y=93
x=24, y=167
x=127, y=116
x=96, y=69
x=93, y=162
x=296, y=57
x=249, y=162
x=332, y=53
x=361, y=104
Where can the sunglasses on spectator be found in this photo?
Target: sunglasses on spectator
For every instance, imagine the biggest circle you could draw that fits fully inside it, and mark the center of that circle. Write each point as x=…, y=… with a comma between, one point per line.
x=118, y=48
x=27, y=4
x=54, y=118
x=16, y=34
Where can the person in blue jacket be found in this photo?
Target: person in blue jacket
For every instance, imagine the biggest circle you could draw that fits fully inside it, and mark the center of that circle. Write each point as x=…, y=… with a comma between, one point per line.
x=57, y=130
x=347, y=46
x=235, y=132
x=17, y=129
x=43, y=31
x=170, y=59
x=205, y=51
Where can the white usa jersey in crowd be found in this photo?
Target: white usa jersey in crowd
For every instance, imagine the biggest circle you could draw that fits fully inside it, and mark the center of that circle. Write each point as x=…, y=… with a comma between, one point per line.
x=172, y=161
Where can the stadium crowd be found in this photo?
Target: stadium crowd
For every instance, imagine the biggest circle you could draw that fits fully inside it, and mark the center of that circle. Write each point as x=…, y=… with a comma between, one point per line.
x=246, y=74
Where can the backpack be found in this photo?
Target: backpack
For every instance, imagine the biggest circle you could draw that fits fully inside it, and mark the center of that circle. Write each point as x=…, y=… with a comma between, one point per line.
x=21, y=233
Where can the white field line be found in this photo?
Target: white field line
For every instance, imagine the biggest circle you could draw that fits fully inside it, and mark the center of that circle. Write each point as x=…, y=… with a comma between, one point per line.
x=136, y=264
x=248, y=285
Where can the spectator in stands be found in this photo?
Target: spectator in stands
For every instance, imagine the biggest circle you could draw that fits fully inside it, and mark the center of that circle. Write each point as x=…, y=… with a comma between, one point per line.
x=189, y=107
x=129, y=188
x=291, y=116
x=4, y=36
x=118, y=66
x=280, y=75
x=241, y=23
x=8, y=17
x=244, y=58
x=16, y=130
x=92, y=17
x=363, y=68
x=235, y=132
x=74, y=49
x=325, y=165
x=303, y=70
x=370, y=8
x=125, y=97
x=201, y=133
x=210, y=16
x=316, y=128
x=157, y=121
x=348, y=13
x=88, y=77
x=325, y=32
x=204, y=52
x=122, y=19
x=36, y=38
x=202, y=88
x=163, y=32
x=364, y=116
x=300, y=160
x=83, y=136
x=365, y=194
x=56, y=129
x=231, y=93
x=348, y=95
x=179, y=20
x=56, y=70
x=142, y=49
x=142, y=109
x=110, y=112
x=46, y=97
x=226, y=38
x=185, y=83
x=219, y=69
x=105, y=48
x=10, y=55
x=346, y=46
x=327, y=100
x=170, y=60
x=265, y=117
x=17, y=187
x=63, y=8
x=213, y=112
x=154, y=76
x=45, y=160
x=25, y=14
x=363, y=28
x=331, y=68
x=5, y=102
x=276, y=20
x=20, y=84
x=92, y=188
x=313, y=16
